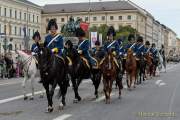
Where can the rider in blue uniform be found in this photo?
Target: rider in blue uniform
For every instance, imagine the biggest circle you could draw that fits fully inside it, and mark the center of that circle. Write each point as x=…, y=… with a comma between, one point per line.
x=53, y=40
x=34, y=48
x=139, y=48
x=98, y=51
x=131, y=43
x=83, y=47
x=153, y=50
x=147, y=47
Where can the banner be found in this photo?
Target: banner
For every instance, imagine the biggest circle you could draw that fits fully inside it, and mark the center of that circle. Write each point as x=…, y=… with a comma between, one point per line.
x=93, y=39
x=84, y=26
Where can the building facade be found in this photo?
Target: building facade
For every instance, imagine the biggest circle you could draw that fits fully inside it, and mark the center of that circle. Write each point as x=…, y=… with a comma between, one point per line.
x=17, y=18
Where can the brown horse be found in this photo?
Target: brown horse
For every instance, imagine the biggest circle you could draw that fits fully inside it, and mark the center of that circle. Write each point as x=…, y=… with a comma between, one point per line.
x=131, y=69
x=109, y=72
x=149, y=64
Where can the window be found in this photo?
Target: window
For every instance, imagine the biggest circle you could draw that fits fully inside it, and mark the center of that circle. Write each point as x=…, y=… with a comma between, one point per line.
x=24, y=16
x=120, y=17
x=37, y=19
x=29, y=17
x=33, y=18
x=10, y=13
x=29, y=32
x=5, y=29
x=10, y=31
x=0, y=28
x=94, y=18
x=111, y=17
x=20, y=46
x=15, y=14
x=62, y=19
x=20, y=31
x=86, y=19
x=103, y=18
x=15, y=30
x=5, y=12
x=20, y=15
x=15, y=46
x=129, y=17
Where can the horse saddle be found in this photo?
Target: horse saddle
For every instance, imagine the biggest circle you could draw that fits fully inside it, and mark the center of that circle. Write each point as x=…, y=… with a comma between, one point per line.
x=60, y=57
x=85, y=61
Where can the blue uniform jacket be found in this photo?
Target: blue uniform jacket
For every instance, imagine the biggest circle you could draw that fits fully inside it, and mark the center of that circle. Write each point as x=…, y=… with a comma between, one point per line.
x=115, y=46
x=57, y=43
x=34, y=48
x=154, y=52
x=139, y=49
x=128, y=46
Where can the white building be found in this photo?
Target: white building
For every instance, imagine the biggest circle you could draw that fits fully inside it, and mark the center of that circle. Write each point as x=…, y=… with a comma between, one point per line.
x=15, y=17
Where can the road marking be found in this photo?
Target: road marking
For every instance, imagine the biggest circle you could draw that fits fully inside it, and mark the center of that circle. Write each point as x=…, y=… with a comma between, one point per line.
x=162, y=84
x=158, y=82
x=10, y=83
x=29, y=94
x=63, y=117
x=102, y=98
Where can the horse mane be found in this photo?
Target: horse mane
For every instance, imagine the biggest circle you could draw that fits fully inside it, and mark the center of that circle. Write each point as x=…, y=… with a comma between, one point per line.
x=23, y=53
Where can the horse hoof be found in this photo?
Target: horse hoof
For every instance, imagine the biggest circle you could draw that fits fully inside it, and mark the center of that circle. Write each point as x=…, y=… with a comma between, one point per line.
x=75, y=101
x=25, y=98
x=49, y=110
x=31, y=98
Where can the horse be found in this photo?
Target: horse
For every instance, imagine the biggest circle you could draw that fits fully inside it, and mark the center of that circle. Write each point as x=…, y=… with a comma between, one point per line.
x=149, y=64
x=53, y=71
x=79, y=70
x=30, y=72
x=141, y=66
x=9, y=65
x=131, y=69
x=109, y=73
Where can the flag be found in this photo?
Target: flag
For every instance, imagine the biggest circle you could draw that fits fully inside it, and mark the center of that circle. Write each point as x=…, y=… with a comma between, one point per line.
x=84, y=26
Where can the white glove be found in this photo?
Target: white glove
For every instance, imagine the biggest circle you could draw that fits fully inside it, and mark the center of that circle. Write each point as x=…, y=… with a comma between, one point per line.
x=125, y=55
x=120, y=53
x=33, y=53
x=134, y=54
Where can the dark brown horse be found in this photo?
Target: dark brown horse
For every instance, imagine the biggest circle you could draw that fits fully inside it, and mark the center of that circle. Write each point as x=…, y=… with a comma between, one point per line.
x=149, y=64
x=131, y=69
x=109, y=72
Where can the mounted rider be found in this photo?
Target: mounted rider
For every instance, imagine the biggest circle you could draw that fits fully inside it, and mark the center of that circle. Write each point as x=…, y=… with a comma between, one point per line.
x=154, y=51
x=147, y=47
x=98, y=51
x=34, y=48
x=139, y=48
x=53, y=40
x=131, y=44
x=112, y=45
x=83, y=49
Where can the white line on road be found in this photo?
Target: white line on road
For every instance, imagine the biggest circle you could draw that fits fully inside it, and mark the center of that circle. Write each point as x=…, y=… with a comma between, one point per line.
x=10, y=83
x=63, y=117
x=158, y=82
x=29, y=94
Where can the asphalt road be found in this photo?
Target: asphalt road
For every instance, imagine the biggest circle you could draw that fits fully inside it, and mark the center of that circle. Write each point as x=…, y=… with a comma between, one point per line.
x=156, y=99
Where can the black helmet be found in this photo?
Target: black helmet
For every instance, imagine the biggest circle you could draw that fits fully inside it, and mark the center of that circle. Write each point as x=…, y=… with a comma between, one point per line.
x=36, y=34
x=97, y=43
x=111, y=31
x=147, y=43
x=52, y=22
x=130, y=37
x=80, y=32
x=140, y=39
x=153, y=45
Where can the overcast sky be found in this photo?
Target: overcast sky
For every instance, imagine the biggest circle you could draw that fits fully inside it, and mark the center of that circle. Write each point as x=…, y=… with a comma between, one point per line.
x=165, y=11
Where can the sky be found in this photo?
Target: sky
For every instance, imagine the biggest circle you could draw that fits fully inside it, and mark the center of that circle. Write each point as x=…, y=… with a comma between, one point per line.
x=167, y=12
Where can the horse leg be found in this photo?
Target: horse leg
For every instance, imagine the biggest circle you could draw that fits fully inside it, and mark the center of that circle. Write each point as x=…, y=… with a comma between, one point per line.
x=96, y=79
x=49, y=98
x=127, y=80
x=110, y=90
x=24, y=86
x=105, y=89
x=32, y=87
x=75, y=88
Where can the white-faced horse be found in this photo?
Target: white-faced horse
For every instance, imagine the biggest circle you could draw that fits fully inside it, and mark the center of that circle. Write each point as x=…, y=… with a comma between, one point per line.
x=30, y=71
